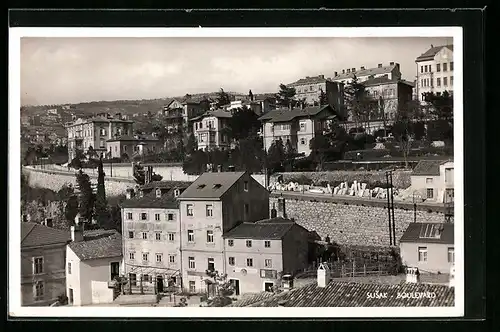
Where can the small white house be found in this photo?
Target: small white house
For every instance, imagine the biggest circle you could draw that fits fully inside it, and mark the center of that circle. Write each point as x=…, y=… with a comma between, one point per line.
x=433, y=180
x=93, y=259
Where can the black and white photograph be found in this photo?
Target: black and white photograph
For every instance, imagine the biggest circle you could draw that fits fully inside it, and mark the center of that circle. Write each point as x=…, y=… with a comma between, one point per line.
x=172, y=172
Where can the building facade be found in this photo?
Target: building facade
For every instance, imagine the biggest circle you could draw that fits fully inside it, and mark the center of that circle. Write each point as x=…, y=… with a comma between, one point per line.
x=132, y=146
x=94, y=132
x=393, y=72
x=93, y=259
x=298, y=126
x=435, y=71
x=433, y=180
x=211, y=130
x=428, y=247
x=310, y=88
x=210, y=207
x=151, y=235
x=43, y=255
x=178, y=113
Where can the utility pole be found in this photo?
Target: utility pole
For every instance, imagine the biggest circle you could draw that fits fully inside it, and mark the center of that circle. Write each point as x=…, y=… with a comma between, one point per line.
x=392, y=210
x=388, y=208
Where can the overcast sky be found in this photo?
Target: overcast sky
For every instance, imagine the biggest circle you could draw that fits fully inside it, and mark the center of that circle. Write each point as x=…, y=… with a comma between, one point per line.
x=72, y=70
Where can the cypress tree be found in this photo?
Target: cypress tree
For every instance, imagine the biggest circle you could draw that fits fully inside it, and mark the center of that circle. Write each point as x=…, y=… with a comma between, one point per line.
x=101, y=204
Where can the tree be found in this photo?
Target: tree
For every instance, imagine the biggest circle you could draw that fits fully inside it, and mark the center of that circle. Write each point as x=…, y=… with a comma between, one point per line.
x=196, y=163
x=220, y=290
x=250, y=95
x=66, y=191
x=406, y=127
x=243, y=123
x=101, y=204
x=71, y=209
x=320, y=146
x=440, y=112
x=285, y=96
x=192, y=144
x=356, y=99
x=86, y=197
x=140, y=174
x=323, y=99
x=275, y=156
x=223, y=98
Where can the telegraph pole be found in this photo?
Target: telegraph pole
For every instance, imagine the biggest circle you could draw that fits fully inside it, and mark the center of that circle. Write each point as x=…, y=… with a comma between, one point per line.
x=392, y=210
x=388, y=208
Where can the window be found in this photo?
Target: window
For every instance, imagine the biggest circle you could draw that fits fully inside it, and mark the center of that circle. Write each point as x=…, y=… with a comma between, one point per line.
x=158, y=258
x=145, y=278
x=103, y=132
x=171, y=237
x=192, y=286
x=422, y=254
x=245, y=185
x=451, y=66
x=171, y=258
x=101, y=144
x=438, y=67
x=302, y=141
x=425, y=68
x=430, y=192
x=249, y=262
x=39, y=290
x=267, y=244
x=192, y=264
x=230, y=243
x=170, y=216
x=157, y=217
x=211, y=264
x=231, y=261
x=69, y=267
x=38, y=265
x=445, y=67
x=451, y=255
x=421, y=69
x=268, y=263
x=249, y=243
x=430, y=231
x=445, y=81
x=131, y=256
x=209, y=210
x=190, y=235
x=130, y=235
x=428, y=180
x=158, y=236
x=438, y=81
x=430, y=68
x=144, y=216
x=144, y=235
x=158, y=193
x=129, y=215
x=302, y=126
x=210, y=236
x=145, y=256
x=451, y=80
x=189, y=210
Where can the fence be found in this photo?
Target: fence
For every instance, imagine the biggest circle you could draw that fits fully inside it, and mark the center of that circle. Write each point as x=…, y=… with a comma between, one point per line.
x=352, y=269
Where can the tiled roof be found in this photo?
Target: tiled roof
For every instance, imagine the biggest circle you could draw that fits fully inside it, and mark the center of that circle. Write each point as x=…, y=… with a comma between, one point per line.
x=289, y=115
x=98, y=244
x=247, y=301
x=216, y=113
x=132, y=138
x=211, y=185
x=149, y=200
x=270, y=229
x=422, y=233
x=34, y=235
x=428, y=167
x=166, y=185
x=366, y=72
x=349, y=294
x=429, y=55
x=309, y=80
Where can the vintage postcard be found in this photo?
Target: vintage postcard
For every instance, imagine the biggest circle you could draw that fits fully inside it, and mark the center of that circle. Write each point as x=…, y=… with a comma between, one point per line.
x=173, y=172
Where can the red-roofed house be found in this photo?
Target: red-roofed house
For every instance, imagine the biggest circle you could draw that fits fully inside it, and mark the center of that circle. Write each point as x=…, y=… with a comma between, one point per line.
x=43, y=251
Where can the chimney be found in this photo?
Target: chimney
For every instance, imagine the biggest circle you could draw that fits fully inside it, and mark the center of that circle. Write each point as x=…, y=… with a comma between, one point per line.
x=25, y=218
x=353, y=70
x=274, y=213
x=323, y=275
x=130, y=193
x=362, y=67
x=230, y=168
x=348, y=70
x=281, y=207
x=148, y=174
x=76, y=233
x=391, y=63
x=380, y=65
x=336, y=74
x=118, y=115
x=287, y=282
x=432, y=46
x=321, y=76
x=452, y=277
x=412, y=275
x=48, y=222
x=219, y=168
x=343, y=71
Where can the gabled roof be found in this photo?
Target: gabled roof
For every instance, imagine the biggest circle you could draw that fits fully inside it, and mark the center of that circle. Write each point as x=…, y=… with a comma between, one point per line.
x=285, y=115
x=166, y=185
x=308, y=80
x=350, y=294
x=424, y=232
x=366, y=72
x=428, y=167
x=268, y=229
x=216, y=113
x=35, y=235
x=149, y=200
x=431, y=53
x=211, y=185
x=98, y=244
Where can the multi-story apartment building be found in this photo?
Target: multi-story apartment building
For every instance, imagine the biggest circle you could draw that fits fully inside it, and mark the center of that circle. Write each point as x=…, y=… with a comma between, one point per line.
x=435, y=70
x=210, y=207
x=258, y=253
x=298, y=126
x=178, y=113
x=43, y=255
x=211, y=130
x=151, y=235
x=94, y=132
x=133, y=145
x=392, y=71
x=310, y=88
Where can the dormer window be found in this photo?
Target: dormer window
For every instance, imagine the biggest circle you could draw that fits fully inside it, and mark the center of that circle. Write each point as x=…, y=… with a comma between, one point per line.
x=217, y=186
x=177, y=192
x=158, y=193
x=201, y=186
